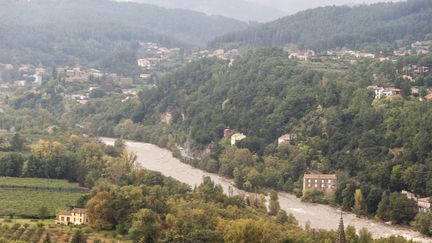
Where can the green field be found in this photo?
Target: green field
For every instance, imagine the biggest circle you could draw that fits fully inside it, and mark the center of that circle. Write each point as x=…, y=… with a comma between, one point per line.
x=26, y=202
x=36, y=182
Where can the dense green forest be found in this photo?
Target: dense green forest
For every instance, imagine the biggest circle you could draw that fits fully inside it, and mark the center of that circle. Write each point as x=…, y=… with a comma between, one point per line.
x=53, y=32
x=376, y=146
x=330, y=27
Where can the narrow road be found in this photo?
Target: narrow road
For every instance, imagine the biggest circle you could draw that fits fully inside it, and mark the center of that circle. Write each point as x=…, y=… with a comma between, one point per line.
x=319, y=216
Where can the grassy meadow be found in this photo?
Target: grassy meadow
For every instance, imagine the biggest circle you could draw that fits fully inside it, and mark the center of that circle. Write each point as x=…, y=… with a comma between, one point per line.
x=26, y=202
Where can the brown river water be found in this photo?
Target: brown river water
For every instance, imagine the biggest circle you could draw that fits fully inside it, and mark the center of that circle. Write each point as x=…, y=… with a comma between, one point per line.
x=319, y=216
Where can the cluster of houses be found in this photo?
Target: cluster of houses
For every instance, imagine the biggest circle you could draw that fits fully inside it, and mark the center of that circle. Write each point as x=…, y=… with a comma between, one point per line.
x=381, y=92
x=225, y=54
x=302, y=55
x=423, y=204
x=419, y=47
x=221, y=54
x=148, y=63
x=29, y=75
x=156, y=50
x=24, y=75
x=307, y=55
x=350, y=53
x=152, y=55
x=77, y=74
x=416, y=70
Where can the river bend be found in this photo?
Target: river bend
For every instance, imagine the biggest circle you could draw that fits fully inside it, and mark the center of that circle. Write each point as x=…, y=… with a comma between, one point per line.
x=320, y=216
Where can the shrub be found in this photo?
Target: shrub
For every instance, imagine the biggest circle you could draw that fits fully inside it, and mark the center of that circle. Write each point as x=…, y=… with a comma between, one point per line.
x=314, y=196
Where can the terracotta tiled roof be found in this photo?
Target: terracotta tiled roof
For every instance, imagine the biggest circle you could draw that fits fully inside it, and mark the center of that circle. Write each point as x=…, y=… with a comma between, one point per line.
x=79, y=210
x=426, y=199
x=65, y=213
x=75, y=210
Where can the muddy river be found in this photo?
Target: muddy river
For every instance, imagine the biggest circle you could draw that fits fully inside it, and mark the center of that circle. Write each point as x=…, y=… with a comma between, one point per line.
x=320, y=216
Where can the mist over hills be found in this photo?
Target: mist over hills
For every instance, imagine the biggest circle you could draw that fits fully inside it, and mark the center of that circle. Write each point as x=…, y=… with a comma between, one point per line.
x=238, y=9
x=59, y=31
x=252, y=10
x=294, y=6
x=329, y=27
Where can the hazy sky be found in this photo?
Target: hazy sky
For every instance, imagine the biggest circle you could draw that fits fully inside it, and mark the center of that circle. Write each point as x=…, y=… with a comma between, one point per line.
x=292, y=6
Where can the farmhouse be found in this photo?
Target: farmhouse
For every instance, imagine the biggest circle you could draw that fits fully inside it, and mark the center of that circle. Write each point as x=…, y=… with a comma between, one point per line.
x=228, y=132
x=381, y=92
x=76, y=216
x=287, y=138
x=237, y=137
x=321, y=182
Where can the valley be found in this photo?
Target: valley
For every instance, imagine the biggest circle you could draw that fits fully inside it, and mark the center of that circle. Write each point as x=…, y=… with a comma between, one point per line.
x=318, y=216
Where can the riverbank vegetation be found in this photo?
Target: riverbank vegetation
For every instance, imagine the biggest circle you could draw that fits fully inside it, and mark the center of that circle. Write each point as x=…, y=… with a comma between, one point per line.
x=130, y=203
x=377, y=147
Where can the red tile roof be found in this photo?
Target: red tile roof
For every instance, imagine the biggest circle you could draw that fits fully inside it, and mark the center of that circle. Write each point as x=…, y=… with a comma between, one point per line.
x=79, y=210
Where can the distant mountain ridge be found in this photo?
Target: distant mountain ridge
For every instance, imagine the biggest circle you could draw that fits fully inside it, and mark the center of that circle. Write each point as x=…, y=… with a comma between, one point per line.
x=294, y=6
x=238, y=9
x=58, y=31
x=330, y=27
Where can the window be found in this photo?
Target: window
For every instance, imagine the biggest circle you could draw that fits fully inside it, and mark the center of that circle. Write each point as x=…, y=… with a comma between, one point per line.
x=329, y=181
x=316, y=185
x=62, y=218
x=322, y=181
x=309, y=180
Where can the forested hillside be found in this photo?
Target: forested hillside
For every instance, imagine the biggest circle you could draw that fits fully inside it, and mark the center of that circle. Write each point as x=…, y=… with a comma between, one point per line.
x=377, y=146
x=59, y=31
x=331, y=27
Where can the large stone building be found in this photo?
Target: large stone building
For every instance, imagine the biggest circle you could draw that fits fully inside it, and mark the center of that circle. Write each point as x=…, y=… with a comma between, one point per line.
x=424, y=204
x=76, y=216
x=321, y=182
